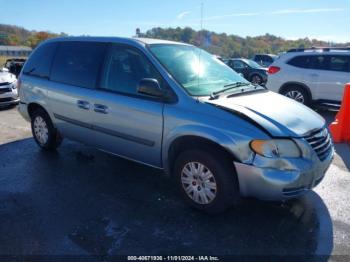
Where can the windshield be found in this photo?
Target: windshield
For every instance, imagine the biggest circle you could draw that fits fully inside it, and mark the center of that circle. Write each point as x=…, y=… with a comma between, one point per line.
x=199, y=72
x=253, y=64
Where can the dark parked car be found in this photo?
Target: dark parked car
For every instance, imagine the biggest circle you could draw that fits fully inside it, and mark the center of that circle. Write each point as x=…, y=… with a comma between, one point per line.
x=251, y=71
x=265, y=60
x=14, y=65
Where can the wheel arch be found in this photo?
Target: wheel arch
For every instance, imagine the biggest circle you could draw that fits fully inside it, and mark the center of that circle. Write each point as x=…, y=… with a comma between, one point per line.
x=32, y=107
x=187, y=142
x=54, y=138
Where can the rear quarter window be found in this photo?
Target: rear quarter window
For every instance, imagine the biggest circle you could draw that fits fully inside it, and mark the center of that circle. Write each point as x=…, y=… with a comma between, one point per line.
x=339, y=63
x=40, y=61
x=78, y=63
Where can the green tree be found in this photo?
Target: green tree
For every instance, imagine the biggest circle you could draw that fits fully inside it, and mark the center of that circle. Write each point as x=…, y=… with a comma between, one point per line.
x=231, y=45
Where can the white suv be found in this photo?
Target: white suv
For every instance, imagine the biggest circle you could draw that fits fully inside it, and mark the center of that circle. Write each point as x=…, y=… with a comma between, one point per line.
x=311, y=75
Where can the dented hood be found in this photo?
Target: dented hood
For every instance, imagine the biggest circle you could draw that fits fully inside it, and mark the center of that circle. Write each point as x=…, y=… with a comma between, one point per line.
x=278, y=115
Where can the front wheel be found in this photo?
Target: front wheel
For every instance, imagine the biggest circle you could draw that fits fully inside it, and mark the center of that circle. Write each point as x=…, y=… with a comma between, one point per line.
x=207, y=181
x=44, y=133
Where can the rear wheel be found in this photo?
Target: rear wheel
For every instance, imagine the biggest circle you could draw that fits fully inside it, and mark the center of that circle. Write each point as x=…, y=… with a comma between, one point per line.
x=256, y=80
x=298, y=94
x=206, y=181
x=44, y=133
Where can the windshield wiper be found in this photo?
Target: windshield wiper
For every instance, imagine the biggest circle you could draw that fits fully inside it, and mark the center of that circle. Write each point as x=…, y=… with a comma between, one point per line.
x=228, y=87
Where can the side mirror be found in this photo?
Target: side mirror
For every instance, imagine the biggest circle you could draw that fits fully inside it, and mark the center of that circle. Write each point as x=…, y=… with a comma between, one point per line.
x=150, y=87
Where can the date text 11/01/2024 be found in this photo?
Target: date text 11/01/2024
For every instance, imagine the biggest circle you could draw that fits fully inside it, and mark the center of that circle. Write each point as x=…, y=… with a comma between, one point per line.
x=173, y=258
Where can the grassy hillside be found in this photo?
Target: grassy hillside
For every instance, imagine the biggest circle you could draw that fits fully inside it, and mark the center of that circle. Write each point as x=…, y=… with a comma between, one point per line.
x=14, y=35
x=232, y=45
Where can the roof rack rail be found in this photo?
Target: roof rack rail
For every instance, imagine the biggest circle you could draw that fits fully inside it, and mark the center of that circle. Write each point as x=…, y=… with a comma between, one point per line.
x=319, y=48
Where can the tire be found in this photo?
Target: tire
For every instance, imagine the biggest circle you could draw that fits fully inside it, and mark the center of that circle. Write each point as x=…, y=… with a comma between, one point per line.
x=298, y=94
x=223, y=174
x=256, y=79
x=44, y=133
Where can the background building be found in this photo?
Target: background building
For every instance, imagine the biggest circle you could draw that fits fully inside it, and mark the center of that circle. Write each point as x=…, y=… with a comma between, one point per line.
x=15, y=51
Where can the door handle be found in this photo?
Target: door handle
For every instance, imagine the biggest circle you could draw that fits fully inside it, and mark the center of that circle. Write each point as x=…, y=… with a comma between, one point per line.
x=83, y=104
x=314, y=75
x=100, y=109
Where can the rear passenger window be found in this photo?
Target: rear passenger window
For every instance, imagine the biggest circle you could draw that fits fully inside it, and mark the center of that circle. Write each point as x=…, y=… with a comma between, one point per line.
x=300, y=61
x=340, y=63
x=238, y=64
x=40, y=61
x=124, y=68
x=78, y=63
x=318, y=62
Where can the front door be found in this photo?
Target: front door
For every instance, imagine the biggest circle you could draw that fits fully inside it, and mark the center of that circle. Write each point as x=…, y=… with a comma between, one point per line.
x=129, y=124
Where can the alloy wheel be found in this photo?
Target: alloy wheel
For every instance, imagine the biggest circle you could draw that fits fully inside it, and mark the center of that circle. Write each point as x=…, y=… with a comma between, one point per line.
x=296, y=95
x=199, y=183
x=256, y=80
x=41, y=130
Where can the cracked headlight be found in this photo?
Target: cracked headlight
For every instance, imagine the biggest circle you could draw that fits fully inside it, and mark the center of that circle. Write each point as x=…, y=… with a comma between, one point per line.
x=275, y=148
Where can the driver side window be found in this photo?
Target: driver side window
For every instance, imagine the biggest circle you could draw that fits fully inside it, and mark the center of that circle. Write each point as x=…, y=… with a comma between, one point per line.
x=238, y=65
x=124, y=68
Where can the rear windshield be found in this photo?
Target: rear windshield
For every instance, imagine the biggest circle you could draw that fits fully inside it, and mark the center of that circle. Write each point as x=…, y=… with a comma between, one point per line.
x=40, y=61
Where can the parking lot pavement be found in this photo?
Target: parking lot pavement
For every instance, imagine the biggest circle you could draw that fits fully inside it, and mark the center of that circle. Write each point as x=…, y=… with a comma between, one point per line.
x=82, y=201
x=12, y=126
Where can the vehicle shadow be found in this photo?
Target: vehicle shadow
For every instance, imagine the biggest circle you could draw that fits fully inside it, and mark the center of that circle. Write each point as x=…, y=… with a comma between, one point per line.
x=80, y=201
x=328, y=115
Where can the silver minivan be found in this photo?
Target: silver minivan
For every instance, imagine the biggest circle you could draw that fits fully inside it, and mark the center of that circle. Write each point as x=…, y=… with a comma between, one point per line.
x=175, y=107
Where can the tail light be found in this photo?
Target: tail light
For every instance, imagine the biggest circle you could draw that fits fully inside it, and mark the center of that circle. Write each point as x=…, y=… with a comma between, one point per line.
x=273, y=70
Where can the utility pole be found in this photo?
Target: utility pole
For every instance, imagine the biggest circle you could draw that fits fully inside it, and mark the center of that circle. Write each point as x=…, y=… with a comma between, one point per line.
x=201, y=25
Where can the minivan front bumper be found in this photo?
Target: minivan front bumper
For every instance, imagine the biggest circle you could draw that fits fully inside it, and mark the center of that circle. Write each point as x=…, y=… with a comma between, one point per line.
x=288, y=178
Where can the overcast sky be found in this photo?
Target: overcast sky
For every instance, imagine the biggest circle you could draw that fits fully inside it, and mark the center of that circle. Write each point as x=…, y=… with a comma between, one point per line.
x=291, y=19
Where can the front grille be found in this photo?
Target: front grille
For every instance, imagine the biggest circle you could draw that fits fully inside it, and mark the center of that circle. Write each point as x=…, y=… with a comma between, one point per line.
x=5, y=90
x=5, y=83
x=321, y=142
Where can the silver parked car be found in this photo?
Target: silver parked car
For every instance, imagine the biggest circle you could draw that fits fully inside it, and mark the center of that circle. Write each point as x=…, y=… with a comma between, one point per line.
x=8, y=88
x=314, y=75
x=177, y=108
